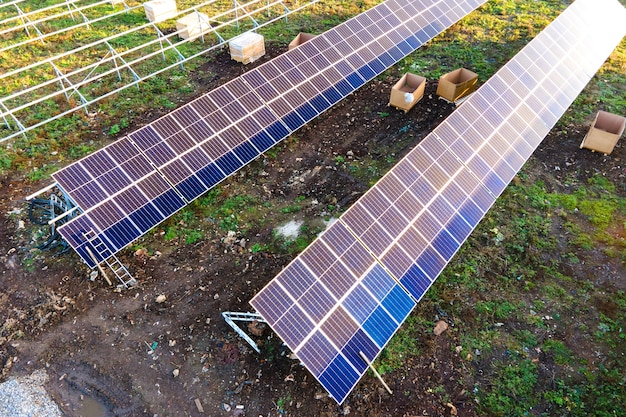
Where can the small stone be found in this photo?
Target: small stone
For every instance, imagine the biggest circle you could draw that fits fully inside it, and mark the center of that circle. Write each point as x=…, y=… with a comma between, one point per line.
x=458, y=349
x=161, y=299
x=226, y=407
x=176, y=372
x=93, y=275
x=172, y=343
x=216, y=296
x=20, y=224
x=440, y=327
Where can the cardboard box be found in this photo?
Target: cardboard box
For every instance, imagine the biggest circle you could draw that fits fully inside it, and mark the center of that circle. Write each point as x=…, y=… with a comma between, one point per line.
x=604, y=133
x=247, y=47
x=160, y=10
x=456, y=84
x=407, y=91
x=192, y=26
x=300, y=39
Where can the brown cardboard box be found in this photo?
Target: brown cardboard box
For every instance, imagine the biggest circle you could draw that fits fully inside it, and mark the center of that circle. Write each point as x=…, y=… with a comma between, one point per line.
x=604, y=132
x=300, y=39
x=160, y=10
x=247, y=47
x=192, y=26
x=407, y=91
x=456, y=84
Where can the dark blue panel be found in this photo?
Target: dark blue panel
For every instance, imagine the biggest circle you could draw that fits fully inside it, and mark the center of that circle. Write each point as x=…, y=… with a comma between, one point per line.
x=431, y=31
x=229, y=163
x=398, y=304
x=168, y=202
x=262, y=141
x=332, y=95
x=306, y=112
x=344, y=88
x=471, y=213
x=277, y=131
x=406, y=48
x=458, y=228
x=377, y=66
x=415, y=281
x=146, y=217
x=339, y=378
x=380, y=326
x=445, y=244
x=319, y=103
x=431, y=263
x=494, y=183
x=355, y=81
x=396, y=54
x=82, y=252
x=122, y=233
x=246, y=152
x=293, y=121
x=360, y=342
x=422, y=36
x=366, y=72
x=360, y=304
x=387, y=59
x=210, y=175
x=414, y=42
x=191, y=188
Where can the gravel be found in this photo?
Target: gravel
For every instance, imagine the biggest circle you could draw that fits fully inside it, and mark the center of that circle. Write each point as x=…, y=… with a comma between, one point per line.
x=26, y=397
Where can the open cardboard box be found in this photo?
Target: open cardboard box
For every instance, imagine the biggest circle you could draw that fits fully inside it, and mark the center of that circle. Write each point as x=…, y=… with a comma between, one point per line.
x=407, y=91
x=456, y=84
x=604, y=132
x=300, y=39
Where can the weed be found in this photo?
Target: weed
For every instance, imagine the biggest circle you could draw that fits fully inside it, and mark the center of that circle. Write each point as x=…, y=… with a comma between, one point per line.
x=512, y=390
x=193, y=236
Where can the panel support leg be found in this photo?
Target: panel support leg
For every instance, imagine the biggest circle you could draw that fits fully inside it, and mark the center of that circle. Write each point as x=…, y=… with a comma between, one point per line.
x=380, y=378
x=230, y=317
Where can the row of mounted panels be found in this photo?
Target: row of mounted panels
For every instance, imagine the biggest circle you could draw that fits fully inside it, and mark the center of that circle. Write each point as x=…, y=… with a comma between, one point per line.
x=190, y=150
x=411, y=223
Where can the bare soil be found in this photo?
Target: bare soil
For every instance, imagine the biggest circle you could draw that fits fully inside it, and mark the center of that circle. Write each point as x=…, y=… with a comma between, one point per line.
x=114, y=353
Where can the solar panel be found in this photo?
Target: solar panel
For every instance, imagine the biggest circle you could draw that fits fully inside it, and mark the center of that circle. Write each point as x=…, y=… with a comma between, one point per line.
x=198, y=145
x=407, y=227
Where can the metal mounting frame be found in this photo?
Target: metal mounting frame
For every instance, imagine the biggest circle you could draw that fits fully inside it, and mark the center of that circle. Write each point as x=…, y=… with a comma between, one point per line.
x=231, y=317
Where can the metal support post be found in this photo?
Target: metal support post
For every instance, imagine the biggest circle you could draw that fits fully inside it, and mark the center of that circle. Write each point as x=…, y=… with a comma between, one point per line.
x=230, y=317
x=62, y=78
x=161, y=36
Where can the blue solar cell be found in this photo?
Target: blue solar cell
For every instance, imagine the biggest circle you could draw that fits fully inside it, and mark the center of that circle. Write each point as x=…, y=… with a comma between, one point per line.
x=379, y=282
x=246, y=152
x=355, y=80
x=360, y=304
x=360, y=342
x=211, y=175
x=406, y=48
x=146, y=217
x=339, y=378
x=388, y=60
x=277, y=130
x=422, y=36
x=430, y=262
x=344, y=88
x=458, y=228
x=319, y=103
x=445, y=244
x=495, y=184
x=380, y=326
x=398, y=304
x=168, y=202
x=415, y=281
x=415, y=42
x=262, y=141
x=377, y=66
x=293, y=121
x=332, y=95
x=366, y=72
x=122, y=233
x=191, y=188
x=229, y=163
x=396, y=54
x=306, y=112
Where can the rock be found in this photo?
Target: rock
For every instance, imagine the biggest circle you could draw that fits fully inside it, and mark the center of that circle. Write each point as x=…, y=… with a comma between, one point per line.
x=93, y=275
x=440, y=327
x=175, y=372
x=453, y=410
x=256, y=328
x=161, y=299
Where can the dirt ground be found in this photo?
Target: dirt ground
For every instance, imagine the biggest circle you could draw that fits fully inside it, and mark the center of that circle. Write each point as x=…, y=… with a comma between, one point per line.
x=114, y=353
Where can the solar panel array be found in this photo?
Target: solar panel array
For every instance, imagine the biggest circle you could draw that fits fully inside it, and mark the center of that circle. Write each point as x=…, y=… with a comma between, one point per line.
x=353, y=287
x=128, y=187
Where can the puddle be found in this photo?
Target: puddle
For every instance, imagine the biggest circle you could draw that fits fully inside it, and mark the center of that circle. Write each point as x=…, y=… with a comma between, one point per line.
x=290, y=230
x=91, y=408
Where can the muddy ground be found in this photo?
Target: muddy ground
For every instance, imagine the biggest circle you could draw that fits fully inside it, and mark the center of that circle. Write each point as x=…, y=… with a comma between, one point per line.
x=112, y=353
